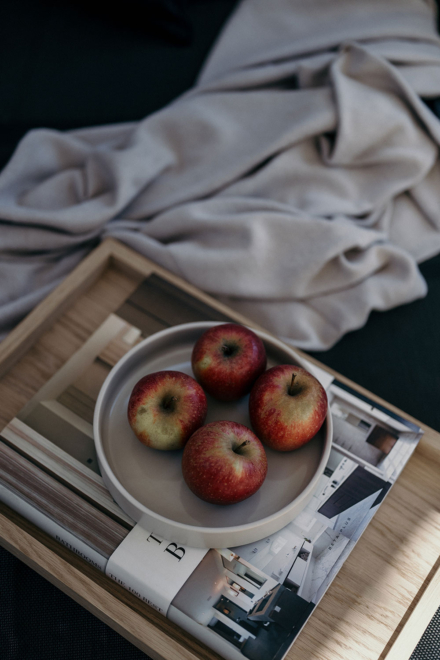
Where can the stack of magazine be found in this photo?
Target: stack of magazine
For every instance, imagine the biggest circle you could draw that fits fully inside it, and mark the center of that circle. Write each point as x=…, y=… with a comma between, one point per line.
x=249, y=601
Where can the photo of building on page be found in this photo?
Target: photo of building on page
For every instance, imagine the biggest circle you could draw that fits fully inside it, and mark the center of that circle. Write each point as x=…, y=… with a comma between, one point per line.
x=252, y=601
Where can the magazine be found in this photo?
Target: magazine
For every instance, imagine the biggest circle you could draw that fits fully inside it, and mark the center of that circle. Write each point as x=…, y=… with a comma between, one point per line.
x=249, y=601
x=252, y=601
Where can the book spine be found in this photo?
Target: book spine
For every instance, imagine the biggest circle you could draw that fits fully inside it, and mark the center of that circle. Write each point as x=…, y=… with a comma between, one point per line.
x=63, y=467
x=56, y=531
x=63, y=506
x=152, y=568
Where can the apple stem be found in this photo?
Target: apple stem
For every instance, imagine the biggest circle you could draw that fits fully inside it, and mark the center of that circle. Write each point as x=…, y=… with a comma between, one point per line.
x=168, y=403
x=246, y=442
x=290, y=390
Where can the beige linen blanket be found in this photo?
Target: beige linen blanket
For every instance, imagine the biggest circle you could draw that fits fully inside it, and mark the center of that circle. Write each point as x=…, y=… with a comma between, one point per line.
x=298, y=181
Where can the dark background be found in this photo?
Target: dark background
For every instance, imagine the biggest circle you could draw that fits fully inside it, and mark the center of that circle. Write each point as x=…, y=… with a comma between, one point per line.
x=72, y=64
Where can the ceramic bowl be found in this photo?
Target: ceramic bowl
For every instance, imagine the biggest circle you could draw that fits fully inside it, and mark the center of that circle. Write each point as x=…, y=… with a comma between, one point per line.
x=148, y=484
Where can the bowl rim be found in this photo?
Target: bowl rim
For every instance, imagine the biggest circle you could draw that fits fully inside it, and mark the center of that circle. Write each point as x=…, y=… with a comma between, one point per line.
x=108, y=474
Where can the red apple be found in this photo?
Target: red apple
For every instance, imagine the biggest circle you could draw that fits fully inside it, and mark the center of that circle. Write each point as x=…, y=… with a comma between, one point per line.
x=287, y=407
x=165, y=408
x=227, y=359
x=224, y=463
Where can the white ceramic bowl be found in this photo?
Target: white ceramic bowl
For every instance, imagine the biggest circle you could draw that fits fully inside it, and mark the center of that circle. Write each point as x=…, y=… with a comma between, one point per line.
x=148, y=484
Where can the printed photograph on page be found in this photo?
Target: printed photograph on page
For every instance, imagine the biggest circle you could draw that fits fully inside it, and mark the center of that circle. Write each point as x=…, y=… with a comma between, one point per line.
x=253, y=600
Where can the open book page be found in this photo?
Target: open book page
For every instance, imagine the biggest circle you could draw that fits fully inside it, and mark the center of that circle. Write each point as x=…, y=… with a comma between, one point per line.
x=256, y=598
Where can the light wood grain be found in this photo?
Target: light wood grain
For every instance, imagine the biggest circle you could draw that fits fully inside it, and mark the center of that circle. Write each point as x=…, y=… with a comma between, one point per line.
x=112, y=604
x=27, y=332
x=61, y=339
x=415, y=626
x=372, y=596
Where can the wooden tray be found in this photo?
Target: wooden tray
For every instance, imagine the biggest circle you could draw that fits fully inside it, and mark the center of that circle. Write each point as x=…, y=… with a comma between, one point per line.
x=384, y=596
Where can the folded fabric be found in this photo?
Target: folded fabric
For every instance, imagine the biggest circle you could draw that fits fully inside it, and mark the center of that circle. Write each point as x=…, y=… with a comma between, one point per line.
x=298, y=181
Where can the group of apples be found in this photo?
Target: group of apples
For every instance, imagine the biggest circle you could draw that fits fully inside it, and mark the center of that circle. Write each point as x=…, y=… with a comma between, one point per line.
x=225, y=462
